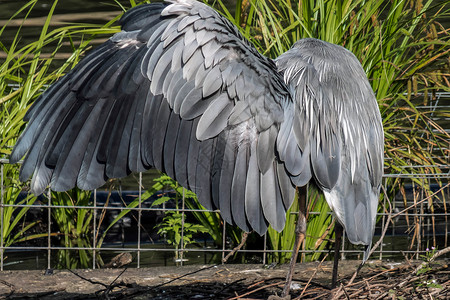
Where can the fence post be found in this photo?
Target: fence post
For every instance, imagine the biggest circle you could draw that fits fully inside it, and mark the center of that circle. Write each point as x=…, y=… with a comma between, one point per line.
x=223, y=239
x=139, y=222
x=49, y=243
x=384, y=211
x=182, y=228
x=265, y=248
x=94, y=232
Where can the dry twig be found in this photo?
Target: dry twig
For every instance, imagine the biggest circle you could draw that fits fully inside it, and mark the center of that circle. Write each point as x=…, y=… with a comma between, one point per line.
x=312, y=276
x=238, y=247
x=255, y=290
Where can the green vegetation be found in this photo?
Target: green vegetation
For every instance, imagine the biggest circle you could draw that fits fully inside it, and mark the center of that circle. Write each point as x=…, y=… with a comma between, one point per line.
x=75, y=228
x=24, y=74
x=14, y=228
x=174, y=227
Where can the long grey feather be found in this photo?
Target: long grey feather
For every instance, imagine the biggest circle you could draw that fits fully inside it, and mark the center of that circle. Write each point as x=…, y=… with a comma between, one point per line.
x=203, y=173
x=182, y=151
x=253, y=208
x=215, y=117
x=273, y=210
x=238, y=188
x=265, y=150
x=162, y=120
x=170, y=141
x=226, y=180
x=135, y=159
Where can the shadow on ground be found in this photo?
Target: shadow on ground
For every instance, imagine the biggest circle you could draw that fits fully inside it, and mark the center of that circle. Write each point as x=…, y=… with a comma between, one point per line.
x=377, y=280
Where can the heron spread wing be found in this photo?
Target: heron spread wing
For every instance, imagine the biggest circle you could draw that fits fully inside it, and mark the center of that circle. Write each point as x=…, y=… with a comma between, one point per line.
x=181, y=90
x=178, y=89
x=337, y=125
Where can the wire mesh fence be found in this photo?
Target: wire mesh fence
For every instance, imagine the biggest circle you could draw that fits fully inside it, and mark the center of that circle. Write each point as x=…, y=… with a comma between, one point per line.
x=123, y=218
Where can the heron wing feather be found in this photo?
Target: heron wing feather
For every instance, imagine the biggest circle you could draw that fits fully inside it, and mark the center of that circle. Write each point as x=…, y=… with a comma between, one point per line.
x=178, y=89
x=238, y=187
x=88, y=177
x=170, y=141
x=253, y=207
x=135, y=157
x=203, y=173
x=225, y=180
x=161, y=121
x=273, y=210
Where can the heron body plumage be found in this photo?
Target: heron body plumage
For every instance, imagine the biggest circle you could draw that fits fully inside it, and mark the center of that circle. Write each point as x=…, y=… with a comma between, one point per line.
x=338, y=126
x=179, y=89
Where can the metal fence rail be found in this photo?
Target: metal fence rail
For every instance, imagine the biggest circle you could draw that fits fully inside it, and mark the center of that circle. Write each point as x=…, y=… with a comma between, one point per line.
x=420, y=224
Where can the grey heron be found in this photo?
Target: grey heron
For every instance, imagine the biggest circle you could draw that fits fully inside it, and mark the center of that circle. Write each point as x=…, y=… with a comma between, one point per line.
x=180, y=89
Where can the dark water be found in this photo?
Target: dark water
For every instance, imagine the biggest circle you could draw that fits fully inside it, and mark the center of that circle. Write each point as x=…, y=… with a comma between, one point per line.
x=67, y=12
x=164, y=256
x=85, y=10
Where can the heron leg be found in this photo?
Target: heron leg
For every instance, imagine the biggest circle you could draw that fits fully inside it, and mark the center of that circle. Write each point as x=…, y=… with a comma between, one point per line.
x=300, y=232
x=338, y=230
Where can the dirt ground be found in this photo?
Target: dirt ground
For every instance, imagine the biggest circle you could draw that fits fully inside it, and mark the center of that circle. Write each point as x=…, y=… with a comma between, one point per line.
x=377, y=280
